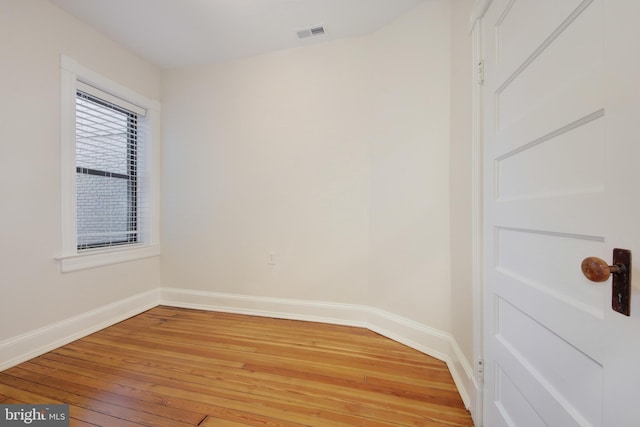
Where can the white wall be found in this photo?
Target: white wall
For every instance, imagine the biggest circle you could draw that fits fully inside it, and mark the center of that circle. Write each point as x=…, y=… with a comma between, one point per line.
x=335, y=157
x=269, y=154
x=409, y=266
x=461, y=178
x=33, y=292
x=461, y=185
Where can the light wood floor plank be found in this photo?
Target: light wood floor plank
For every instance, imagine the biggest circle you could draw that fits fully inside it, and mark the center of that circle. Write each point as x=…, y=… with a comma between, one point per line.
x=176, y=367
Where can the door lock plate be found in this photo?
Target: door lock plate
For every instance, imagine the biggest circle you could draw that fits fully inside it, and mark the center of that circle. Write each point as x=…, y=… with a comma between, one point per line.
x=621, y=286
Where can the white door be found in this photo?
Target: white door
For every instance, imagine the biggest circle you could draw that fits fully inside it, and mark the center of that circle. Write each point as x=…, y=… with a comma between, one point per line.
x=561, y=105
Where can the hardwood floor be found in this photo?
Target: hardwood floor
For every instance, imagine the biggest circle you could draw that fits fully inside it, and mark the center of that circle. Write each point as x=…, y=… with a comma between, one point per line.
x=176, y=367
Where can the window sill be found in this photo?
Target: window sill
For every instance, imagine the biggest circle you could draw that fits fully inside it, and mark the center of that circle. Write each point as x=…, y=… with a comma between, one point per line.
x=102, y=257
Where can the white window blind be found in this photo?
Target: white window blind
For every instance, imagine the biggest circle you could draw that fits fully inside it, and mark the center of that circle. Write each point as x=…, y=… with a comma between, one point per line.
x=109, y=144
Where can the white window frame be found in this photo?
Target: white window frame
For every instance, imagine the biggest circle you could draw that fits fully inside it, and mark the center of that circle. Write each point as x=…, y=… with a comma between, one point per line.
x=70, y=258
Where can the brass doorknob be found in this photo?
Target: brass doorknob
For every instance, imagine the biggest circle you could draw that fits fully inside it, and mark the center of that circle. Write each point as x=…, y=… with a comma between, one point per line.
x=597, y=269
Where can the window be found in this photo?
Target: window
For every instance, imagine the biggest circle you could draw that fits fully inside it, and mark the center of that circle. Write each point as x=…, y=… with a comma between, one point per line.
x=106, y=173
x=109, y=171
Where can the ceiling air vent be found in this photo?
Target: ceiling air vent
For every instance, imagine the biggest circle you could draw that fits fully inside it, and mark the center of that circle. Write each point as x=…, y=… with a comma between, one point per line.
x=311, y=32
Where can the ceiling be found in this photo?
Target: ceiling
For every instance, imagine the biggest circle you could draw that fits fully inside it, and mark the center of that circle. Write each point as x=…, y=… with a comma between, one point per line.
x=181, y=33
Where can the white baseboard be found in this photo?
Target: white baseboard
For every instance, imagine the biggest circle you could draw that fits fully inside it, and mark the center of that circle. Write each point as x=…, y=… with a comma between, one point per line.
x=281, y=308
x=425, y=339
x=32, y=344
x=464, y=376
